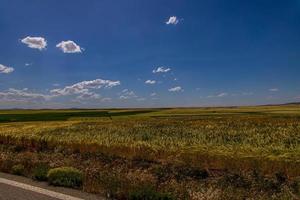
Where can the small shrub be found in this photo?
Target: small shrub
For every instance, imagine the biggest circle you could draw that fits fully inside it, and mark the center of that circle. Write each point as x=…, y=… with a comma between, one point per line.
x=18, y=169
x=281, y=178
x=111, y=182
x=65, y=176
x=235, y=180
x=257, y=176
x=15, y=148
x=161, y=172
x=6, y=165
x=148, y=193
x=270, y=185
x=296, y=186
x=180, y=173
x=197, y=174
x=274, y=184
x=40, y=172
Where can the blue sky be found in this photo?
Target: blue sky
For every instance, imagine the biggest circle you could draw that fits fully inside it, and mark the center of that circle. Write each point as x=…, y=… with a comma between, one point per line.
x=142, y=53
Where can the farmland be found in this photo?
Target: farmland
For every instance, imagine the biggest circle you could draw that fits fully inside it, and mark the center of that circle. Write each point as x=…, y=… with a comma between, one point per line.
x=187, y=152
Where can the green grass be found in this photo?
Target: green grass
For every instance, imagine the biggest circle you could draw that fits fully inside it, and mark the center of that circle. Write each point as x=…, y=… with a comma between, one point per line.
x=27, y=116
x=63, y=115
x=65, y=176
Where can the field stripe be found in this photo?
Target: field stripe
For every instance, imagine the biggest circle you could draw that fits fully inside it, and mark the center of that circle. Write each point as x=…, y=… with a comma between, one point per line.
x=38, y=190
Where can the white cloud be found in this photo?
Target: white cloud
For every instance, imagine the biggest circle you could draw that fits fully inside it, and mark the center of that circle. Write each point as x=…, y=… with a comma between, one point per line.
x=273, y=90
x=81, y=91
x=151, y=82
x=141, y=99
x=15, y=95
x=28, y=64
x=161, y=70
x=127, y=94
x=176, y=89
x=88, y=96
x=223, y=94
x=153, y=94
x=35, y=42
x=84, y=87
x=247, y=93
x=69, y=47
x=106, y=99
x=172, y=20
x=5, y=69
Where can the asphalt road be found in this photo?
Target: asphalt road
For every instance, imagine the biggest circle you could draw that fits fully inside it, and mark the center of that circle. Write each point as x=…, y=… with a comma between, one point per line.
x=21, y=188
x=8, y=192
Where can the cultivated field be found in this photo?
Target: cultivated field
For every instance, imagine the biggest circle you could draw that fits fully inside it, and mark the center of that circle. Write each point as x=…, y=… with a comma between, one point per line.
x=190, y=153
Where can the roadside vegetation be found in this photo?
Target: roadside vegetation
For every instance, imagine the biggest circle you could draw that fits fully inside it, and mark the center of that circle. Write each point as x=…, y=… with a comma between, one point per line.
x=196, y=153
x=65, y=176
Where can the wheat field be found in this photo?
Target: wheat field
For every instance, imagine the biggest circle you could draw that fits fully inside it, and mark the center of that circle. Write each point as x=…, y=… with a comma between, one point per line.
x=238, y=139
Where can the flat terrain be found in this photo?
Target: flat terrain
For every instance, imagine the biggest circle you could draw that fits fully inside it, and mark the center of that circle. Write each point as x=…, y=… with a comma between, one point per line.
x=261, y=138
x=271, y=132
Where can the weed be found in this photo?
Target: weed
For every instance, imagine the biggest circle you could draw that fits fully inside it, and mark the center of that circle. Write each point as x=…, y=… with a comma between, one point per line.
x=235, y=180
x=65, y=176
x=147, y=192
x=111, y=182
x=18, y=169
x=191, y=172
x=40, y=172
x=296, y=186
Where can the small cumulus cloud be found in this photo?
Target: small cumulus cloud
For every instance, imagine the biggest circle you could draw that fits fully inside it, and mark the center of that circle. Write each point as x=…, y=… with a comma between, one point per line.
x=106, y=99
x=28, y=64
x=69, y=47
x=153, y=94
x=172, y=20
x=127, y=94
x=88, y=96
x=5, y=69
x=176, y=89
x=247, y=93
x=151, y=82
x=141, y=99
x=161, y=70
x=35, y=42
x=273, y=90
x=55, y=84
x=223, y=94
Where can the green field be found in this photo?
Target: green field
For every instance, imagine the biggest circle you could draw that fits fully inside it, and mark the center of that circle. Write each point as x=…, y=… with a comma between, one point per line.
x=158, y=145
